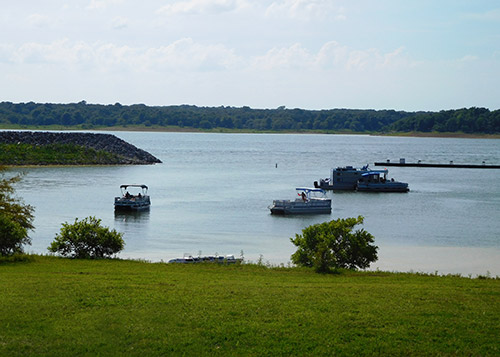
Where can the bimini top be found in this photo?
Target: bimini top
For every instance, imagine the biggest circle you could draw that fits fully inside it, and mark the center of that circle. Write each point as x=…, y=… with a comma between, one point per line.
x=375, y=172
x=141, y=186
x=310, y=189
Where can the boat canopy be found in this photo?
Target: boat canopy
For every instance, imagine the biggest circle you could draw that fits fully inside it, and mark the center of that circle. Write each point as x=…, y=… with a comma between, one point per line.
x=375, y=172
x=310, y=189
x=141, y=186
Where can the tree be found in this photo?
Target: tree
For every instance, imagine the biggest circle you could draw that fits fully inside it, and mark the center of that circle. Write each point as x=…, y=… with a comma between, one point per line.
x=12, y=236
x=16, y=218
x=87, y=239
x=333, y=245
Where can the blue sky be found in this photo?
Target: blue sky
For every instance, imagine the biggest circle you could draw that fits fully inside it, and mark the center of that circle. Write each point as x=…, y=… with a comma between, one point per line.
x=312, y=54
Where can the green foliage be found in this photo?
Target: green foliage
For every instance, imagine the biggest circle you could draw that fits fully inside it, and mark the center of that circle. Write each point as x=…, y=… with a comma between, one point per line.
x=87, y=239
x=84, y=115
x=471, y=120
x=53, y=154
x=16, y=218
x=333, y=245
x=17, y=258
x=12, y=236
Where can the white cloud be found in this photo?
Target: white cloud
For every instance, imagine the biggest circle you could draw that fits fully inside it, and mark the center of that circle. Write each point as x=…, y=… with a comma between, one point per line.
x=39, y=20
x=110, y=57
x=202, y=6
x=184, y=54
x=188, y=55
x=188, y=70
x=331, y=55
x=283, y=58
x=305, y=9
x=57, y=52
x=102, y=4
x=119, y=23
x=395, y=57
x=361, y=59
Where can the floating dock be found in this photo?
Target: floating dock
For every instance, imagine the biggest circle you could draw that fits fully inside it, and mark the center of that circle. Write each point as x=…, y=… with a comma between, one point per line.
x=403, y=163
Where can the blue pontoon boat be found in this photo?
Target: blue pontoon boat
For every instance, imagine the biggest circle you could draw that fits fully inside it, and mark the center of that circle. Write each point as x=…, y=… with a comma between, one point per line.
x=378, y=182
x=343, y=178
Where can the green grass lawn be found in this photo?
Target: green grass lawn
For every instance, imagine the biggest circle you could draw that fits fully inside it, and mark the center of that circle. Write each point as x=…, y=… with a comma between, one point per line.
x=53, y=306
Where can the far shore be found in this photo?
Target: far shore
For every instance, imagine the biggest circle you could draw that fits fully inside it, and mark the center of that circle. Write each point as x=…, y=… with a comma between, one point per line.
x=172, y=129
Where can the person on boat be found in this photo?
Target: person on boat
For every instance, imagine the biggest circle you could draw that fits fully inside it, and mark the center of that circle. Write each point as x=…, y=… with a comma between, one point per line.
x=128, y=195
x=304, y=197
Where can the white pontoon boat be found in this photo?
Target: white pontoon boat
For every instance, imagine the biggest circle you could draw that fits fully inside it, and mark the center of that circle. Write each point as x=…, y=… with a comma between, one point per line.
x=310, y=201
x=134, y=201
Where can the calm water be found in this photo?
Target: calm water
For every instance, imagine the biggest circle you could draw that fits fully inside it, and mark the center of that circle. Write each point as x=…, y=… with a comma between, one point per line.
x=212, y=192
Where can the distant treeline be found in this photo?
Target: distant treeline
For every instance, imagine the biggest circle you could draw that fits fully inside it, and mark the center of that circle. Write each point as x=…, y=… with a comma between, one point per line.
x=88, y=116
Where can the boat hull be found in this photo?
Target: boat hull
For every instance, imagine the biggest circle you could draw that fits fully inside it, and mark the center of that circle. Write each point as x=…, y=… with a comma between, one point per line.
x=284, y=207
x=131, y=208
x=339, y=186
x=123, y=204
x=383, y=187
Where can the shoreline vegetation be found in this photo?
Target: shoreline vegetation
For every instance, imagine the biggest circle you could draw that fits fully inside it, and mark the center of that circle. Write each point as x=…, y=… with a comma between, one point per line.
x=108, y=307
x=84, y=116
x=69, y=148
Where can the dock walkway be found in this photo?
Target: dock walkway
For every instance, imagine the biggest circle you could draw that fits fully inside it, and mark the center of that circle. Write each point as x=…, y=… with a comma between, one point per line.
x=450, y=165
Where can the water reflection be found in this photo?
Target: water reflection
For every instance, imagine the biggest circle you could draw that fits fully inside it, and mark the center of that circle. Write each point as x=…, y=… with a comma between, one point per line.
x=132, y=216
x=135, y=226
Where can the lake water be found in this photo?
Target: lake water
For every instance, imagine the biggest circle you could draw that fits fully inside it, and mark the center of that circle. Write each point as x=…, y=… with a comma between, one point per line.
x=211, y=194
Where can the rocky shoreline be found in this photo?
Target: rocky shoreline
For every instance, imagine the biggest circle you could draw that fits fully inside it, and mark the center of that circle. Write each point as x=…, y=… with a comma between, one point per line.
x=126, y=153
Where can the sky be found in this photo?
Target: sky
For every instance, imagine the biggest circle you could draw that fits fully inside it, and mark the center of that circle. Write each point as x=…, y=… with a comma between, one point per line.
x=312, y=54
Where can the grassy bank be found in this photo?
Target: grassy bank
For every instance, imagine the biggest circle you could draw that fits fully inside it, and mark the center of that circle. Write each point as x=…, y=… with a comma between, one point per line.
x=54, y=154
x=52, y=306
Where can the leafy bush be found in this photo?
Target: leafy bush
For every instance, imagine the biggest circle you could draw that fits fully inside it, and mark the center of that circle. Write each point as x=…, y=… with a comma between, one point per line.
x=15, y=218
x=87, y=239
x=333, y=245
x=12, y=236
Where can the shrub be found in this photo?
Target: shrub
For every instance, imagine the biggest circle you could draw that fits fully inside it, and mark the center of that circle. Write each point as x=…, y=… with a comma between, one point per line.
x=12, y=236
x=87, y=239
x=16, y=218
x=333, y=245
